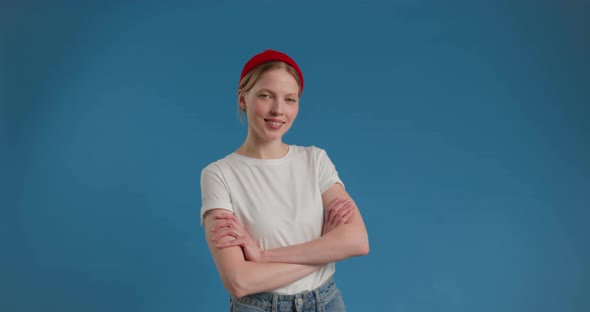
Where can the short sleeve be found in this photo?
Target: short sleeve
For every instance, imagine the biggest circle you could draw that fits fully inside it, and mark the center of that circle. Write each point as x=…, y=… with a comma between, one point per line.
x=214, y=190
x=327, y=174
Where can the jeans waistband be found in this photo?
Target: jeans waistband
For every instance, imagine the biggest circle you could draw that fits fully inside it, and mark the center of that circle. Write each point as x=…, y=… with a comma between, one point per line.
x=306, y=299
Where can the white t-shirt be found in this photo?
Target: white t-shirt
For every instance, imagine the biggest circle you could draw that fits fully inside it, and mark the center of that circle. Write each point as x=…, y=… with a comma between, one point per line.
x=278, y=201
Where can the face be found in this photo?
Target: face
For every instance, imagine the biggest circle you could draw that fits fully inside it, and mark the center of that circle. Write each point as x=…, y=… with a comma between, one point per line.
x=271, y=105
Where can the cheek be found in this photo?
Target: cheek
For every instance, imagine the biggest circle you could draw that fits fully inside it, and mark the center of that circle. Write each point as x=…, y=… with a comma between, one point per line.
x=256, y=111
x=293, y=112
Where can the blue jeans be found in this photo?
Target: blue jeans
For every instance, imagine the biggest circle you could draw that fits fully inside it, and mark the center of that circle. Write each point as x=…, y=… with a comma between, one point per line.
x=326, y=298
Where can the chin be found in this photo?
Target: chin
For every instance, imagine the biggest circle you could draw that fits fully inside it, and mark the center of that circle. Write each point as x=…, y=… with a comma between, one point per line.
x=272, y=138
x=275, y=135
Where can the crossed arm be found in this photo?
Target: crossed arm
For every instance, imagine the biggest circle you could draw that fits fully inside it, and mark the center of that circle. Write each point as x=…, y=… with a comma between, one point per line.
x=246, y=269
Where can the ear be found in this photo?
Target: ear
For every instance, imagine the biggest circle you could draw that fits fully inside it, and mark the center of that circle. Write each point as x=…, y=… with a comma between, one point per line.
x=242, y=99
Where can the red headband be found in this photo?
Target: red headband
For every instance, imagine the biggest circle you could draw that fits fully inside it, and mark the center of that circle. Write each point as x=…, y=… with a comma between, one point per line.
x=271, y=55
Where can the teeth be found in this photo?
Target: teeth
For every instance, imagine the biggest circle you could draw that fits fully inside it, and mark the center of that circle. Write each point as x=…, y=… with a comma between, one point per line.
x=275, y=123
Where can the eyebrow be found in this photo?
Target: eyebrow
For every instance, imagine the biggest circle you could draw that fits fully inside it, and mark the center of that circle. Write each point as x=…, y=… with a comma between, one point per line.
x=269, y=91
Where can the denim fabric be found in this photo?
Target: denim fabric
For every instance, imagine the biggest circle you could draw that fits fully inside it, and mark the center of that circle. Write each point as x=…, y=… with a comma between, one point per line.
x=326, y=298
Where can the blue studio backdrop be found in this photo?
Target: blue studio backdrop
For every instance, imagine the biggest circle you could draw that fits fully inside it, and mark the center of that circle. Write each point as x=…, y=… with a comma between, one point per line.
x=460, y=128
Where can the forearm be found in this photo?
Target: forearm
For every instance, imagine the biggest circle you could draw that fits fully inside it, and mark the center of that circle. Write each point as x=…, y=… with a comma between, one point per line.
x=241, y=277
x=345, y=241
x=256, y=277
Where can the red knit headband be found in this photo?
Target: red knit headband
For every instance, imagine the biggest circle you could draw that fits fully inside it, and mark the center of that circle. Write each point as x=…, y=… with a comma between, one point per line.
x=271, y=55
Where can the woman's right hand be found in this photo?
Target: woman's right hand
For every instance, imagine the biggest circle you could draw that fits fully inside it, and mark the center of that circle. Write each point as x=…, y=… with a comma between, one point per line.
x=228, y=225
x=338, y=212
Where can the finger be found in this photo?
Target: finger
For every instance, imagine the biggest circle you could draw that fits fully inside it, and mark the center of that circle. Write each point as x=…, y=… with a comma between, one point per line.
x=225, y=223
x=330, y=209
x=343, y=211
x=334, y=202
x=232, y=243
x=335, y=211
x=345, y=218
x=218, y=225
x=232, y=218
x=346, y=206
x=351, y=208
x=228, y=217
x=327, y=217
x=224, y=215
x=222, y=225
x=339, y=214
x=224, y=233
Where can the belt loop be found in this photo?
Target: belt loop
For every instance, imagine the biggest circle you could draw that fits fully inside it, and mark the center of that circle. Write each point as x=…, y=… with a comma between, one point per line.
x=318, y=301
x=275, y=303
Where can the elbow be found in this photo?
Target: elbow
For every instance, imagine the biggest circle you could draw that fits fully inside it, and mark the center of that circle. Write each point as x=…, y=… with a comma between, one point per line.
x=235, y=287
x=236, y=292
x=363, y=248
x=358, y=245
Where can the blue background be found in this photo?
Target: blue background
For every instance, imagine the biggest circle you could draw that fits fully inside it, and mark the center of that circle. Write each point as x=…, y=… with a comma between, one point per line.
x=460, y=128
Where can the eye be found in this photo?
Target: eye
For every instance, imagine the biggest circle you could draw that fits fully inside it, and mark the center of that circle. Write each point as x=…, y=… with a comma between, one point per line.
x=291, y=100
x=264, y=96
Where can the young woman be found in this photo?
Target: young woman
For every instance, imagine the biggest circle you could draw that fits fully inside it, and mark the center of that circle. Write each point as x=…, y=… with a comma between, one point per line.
x=277, y=216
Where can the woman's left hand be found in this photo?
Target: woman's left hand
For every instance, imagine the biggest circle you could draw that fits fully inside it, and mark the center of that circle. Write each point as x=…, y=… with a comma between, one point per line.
x=337, y=213
x=228, y=225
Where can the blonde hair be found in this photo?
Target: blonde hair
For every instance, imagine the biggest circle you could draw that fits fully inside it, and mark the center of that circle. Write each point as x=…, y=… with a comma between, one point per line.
x=255, y=74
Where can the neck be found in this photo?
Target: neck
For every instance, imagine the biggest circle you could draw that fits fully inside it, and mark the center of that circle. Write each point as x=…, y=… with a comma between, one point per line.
x=263, y=150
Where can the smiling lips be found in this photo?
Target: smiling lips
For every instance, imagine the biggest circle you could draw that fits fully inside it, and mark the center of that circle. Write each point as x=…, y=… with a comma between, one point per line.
x=274, y=123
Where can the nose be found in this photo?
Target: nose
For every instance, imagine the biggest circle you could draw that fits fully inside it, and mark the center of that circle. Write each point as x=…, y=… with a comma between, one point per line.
x=277, y=107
